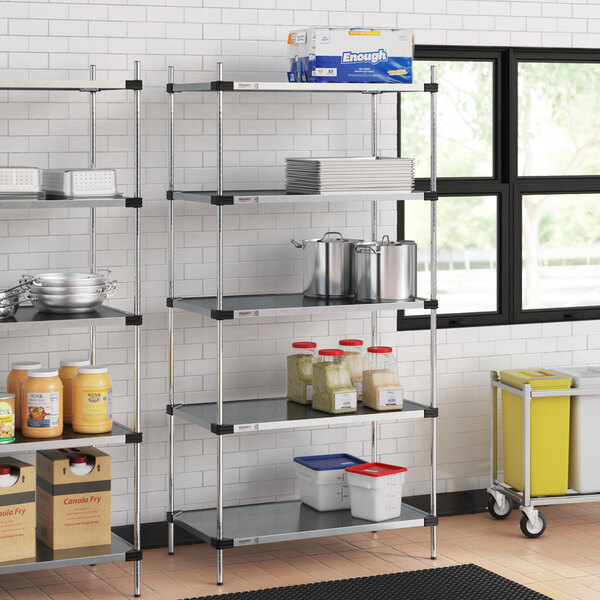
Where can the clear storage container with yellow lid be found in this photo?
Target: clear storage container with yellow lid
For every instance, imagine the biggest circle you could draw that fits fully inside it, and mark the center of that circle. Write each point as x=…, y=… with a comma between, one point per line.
x=14, y=384
x=42, y=414
x=381, y=386
x=67, y=373
x=92, y=400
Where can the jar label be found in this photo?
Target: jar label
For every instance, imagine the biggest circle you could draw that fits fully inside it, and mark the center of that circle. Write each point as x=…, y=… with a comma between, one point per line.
x=309, y=392
x=7, y=423
x=96, y=406
x=345, y=400
x=358, y=386
x=389, y=398
x=43, y=409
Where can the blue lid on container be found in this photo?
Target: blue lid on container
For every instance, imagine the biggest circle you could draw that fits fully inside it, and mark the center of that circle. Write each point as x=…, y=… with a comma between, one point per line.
x=329, y=462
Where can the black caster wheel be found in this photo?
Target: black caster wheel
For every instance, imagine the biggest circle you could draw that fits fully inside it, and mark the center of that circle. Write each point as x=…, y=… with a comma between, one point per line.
x=495, y=511
x=527, y=528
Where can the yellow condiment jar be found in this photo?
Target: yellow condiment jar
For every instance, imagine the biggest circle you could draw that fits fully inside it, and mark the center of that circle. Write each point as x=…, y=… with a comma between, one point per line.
x=14, y=384
x=67, y=374
x=42, y=410
x=92, y=400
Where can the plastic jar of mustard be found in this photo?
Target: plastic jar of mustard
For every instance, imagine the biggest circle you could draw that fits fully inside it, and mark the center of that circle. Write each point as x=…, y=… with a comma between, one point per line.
x=92, y=400
x=67, y=374
x=357, y=360
x=300, y=372
x=332, y=389
x=381, y=386
x=42, y=410
x=7, y=418
x=14, y=384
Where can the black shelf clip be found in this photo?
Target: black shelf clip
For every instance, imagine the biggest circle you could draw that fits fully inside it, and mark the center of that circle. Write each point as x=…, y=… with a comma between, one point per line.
x=221, y=544
x=221, y=429
x=430, y=196
x=171, y=515
x=221, y=315
x=171, y=408
x=431, y=87
x=222, y=200
x=431, y=304
x=170, y=192
x=135, y=437
x=431, y=413
x=170, y=302
x=133, y=84
x=221, y=86
x=133, y=555
x=136, y=320
x=134, y=202
x=430, y=521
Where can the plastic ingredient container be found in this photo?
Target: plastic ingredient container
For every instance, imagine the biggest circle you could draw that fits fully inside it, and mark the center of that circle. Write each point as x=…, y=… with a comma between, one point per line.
x=7, y=418
x=92, y=400
x=332, y=388
x=549, y=432
x=42, y=408
x=322, y=480
x=67, y=373
x=300, y=372
x=376, y=491
x=584, y=444
x=357, y=361
x=381, y=386
x=14, y=384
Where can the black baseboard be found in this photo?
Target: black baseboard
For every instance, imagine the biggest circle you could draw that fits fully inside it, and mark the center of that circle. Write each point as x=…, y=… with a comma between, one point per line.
x=154, y=535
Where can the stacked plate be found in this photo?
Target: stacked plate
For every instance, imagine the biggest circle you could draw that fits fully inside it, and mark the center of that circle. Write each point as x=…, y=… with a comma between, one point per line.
x=328, y=175
x=69, y=293
x=20, y=183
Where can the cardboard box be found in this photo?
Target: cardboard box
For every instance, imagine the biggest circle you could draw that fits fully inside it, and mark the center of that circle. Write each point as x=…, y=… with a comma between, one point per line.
x=356, y=55
x=17, y=513
x=73, y=511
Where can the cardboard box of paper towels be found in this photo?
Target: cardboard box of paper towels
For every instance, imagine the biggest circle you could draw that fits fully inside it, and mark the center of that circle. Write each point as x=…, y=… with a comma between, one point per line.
x=350, y=55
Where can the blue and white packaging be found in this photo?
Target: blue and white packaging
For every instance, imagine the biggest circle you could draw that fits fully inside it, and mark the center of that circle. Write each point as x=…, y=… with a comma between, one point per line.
x=359, y=55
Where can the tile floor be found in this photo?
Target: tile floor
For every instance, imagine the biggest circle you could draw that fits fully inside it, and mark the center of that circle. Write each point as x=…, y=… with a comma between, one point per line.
x=563, y=563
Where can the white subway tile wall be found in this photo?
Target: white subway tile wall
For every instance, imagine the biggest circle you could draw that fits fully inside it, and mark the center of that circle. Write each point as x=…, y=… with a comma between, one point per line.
x=45, y=40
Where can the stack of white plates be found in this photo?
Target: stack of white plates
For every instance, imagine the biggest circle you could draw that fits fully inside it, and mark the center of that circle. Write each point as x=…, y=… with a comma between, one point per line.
x=327, y=175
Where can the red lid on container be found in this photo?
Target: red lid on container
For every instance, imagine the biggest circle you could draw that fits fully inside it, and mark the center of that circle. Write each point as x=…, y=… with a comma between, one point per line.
x=78, y=459
x=331, y=352
x=351, y=342
x=304, y=345
x=4, y=470
x=379, y=349
x=376, y=469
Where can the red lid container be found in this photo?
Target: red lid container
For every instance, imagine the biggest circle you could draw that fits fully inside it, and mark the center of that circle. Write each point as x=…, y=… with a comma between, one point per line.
x=304, y=345
x=351, y=342
x=331, y=352
x=4, y=470
x=376, y=469
x=78, y=459
x=379, y=349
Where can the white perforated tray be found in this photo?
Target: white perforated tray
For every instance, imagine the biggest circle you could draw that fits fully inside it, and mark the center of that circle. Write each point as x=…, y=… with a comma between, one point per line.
x=69, y=183
x=19, y=180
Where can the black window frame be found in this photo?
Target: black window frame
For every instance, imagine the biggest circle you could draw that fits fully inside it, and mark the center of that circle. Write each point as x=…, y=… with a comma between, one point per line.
x=505, y=183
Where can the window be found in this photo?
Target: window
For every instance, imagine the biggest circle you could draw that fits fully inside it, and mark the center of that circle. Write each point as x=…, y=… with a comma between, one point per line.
x=519, y=185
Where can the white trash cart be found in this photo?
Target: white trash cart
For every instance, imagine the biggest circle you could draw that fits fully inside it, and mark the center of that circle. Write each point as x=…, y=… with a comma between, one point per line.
x=502, y=496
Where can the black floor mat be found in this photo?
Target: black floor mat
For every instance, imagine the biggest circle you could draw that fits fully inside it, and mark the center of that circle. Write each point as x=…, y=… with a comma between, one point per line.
x=462, y=582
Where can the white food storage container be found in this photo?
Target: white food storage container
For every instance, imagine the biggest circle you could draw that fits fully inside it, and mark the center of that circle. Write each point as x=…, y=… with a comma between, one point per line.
x=584, y=444
x=357, y=361
x=376, y=491
x=322, y=480
x=381, y=386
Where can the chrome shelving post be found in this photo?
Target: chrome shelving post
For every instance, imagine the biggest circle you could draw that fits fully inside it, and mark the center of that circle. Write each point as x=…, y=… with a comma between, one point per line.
x=374, y=436
x=219, y=324
x=433, y=323
x=171, y=251
x=92, y=257
x=137, y=294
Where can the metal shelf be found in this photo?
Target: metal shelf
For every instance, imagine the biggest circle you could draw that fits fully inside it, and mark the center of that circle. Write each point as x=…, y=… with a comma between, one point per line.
x=69, y=439
x=47, y=558
x=285, y=86
x=29, y=317
x=63, y=203
x=280, y=413
x=285, y=521
x=280, y=305
x=58, y=85
x=229, y=197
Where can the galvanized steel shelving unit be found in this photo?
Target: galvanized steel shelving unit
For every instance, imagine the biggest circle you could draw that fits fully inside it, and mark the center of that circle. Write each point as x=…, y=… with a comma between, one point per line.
x=27, y=318
x=280, y=521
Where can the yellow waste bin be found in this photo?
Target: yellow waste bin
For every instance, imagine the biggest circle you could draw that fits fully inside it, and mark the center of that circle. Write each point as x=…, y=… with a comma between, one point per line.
x=549, y=437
